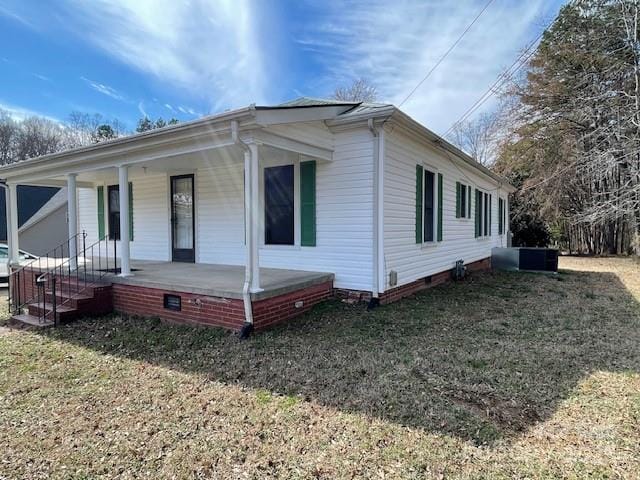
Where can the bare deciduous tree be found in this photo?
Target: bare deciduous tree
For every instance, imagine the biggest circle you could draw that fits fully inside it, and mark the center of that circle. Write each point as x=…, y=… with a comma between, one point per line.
x=479, y=137
x=359, y=91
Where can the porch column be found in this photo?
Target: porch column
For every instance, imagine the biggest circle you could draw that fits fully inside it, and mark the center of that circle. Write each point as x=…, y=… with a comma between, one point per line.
x=12, y=224
x=252, y=205
x=72, y=209
x=123, y=187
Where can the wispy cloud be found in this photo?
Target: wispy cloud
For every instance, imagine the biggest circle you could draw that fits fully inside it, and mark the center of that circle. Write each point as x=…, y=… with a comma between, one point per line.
x=41, y=77
x=20, y=113
x=104, y=89
x=395, y=47
x=207, y=47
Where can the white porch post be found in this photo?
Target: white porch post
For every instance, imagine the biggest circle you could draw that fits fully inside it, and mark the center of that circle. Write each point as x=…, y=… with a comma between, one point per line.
x=252, y=205
x=12, y=224
x=72, y=209
x=123, y=187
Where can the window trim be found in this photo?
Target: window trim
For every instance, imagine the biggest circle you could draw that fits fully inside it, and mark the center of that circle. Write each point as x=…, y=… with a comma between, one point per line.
x=435, y=171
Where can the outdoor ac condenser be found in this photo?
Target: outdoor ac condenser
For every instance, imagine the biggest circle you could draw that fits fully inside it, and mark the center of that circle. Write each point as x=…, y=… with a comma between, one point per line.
x=525, y=258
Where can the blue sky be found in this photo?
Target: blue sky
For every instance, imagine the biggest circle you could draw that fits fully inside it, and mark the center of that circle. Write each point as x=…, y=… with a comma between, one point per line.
x=124, y=59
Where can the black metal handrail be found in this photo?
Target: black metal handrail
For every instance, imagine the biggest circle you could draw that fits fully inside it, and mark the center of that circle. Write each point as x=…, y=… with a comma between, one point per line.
x=74, y=274
x=18, y=281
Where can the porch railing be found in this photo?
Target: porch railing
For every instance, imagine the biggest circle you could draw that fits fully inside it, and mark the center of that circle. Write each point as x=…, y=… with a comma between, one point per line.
x=61, y=277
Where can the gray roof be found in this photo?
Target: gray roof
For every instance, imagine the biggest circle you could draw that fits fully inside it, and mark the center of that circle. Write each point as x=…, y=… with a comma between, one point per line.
x=59, y=200
x=311, y=102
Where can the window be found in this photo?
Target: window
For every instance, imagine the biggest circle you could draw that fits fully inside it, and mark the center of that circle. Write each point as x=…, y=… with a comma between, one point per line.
x=502, y=216
x=429, y=190
x=279, y=205
x=428, y=219
x=463, y=200
x=113, y=203
x=483, y=214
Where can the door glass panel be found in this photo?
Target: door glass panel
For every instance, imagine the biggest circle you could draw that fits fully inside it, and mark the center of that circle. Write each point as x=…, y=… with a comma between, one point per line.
x=183, y=213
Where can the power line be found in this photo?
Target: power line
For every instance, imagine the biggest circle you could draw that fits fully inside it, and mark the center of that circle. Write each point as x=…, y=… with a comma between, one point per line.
x=446, y=53
x=505, y=76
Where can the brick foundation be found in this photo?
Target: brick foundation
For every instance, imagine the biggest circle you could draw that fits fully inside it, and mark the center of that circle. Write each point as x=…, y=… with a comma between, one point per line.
x=229, y=312
x=216, y=311
x=431, y=281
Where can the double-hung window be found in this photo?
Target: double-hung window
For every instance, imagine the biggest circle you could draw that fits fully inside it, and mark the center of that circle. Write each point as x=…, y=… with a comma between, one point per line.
x=429, y=191
x=279, y=226
x=463, y=200
x=290, y=204
x=483, y=214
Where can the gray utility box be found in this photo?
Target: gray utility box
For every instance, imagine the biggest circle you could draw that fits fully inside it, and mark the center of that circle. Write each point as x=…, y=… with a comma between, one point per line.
x=525, y=258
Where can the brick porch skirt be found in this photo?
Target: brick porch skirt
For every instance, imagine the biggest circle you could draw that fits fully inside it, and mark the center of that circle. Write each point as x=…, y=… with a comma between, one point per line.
x=217, y=311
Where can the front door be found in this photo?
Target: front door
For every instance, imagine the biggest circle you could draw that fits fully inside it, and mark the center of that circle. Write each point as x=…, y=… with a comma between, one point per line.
x=182, y=219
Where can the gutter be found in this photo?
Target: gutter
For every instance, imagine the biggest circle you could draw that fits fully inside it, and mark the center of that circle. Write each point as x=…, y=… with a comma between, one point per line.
x=248, y=274
x=378, y=211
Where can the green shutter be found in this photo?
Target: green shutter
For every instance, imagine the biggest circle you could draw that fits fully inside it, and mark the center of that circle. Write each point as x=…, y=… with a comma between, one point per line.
x=458, y=199
x=419, y=182
x=308, y=203
x=490, y=212
x=478, y=212
x=100, y=195
x=469, y=201
x=499, y=216
x=440, y=196
x=130, y=212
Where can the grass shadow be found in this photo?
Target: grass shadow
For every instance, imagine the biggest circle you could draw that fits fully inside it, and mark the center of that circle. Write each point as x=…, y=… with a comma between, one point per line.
x=482, y=360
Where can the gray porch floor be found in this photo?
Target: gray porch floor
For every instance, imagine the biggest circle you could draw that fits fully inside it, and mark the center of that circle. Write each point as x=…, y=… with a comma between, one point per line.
x=216, y=280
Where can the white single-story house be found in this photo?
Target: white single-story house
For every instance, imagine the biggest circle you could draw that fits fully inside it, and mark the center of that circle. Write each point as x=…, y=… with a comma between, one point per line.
x=253, y=215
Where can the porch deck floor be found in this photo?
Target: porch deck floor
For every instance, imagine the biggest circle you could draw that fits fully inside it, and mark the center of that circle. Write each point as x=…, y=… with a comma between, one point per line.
x=216, y=280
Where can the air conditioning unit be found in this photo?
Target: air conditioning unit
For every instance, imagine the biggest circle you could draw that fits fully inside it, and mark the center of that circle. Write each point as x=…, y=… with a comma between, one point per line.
x=528, y=259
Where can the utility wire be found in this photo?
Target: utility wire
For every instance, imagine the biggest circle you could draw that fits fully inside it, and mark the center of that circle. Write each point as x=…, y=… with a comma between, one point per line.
x=446, y=53
x=505, y=76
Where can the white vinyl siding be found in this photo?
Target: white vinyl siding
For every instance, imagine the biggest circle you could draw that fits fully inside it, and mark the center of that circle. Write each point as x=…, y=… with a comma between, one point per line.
x=402, y=254
x=150, y=216
x=344, y=216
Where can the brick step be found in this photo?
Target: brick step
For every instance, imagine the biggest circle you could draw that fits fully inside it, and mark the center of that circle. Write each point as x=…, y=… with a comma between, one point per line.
x=68, y=287
x=31, y=320
x=71, y=299
x=64, y=313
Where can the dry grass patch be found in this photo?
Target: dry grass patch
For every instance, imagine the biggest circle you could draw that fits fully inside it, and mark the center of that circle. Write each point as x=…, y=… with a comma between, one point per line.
x=502, y=376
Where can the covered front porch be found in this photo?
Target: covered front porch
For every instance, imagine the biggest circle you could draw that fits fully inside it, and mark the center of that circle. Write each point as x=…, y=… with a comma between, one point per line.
x=184, y=209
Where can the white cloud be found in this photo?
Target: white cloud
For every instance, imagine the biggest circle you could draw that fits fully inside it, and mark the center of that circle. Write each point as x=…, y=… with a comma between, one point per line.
x=207, y=47
x=20, y=113
x=396, y=46
x=104, y=89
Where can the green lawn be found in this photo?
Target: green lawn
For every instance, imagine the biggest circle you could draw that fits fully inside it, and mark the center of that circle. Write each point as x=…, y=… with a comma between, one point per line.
x=504, y=375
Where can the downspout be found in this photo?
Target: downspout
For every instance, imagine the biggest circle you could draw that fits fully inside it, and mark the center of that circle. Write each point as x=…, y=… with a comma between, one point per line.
x=246, y=293
x=378, y=217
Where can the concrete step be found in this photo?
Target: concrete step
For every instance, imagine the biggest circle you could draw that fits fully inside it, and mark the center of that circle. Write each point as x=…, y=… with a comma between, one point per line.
x=31, y=320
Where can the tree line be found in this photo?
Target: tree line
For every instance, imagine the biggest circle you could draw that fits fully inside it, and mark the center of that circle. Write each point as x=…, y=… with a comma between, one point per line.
x=567, y=134
x=34, y=136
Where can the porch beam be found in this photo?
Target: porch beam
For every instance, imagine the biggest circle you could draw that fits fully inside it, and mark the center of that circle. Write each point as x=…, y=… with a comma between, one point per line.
x=72, y=214
x=12, y=224
x=123, y=188
x=285, y=143
x=56, y=183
